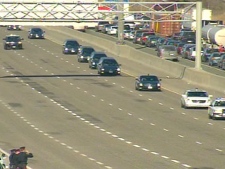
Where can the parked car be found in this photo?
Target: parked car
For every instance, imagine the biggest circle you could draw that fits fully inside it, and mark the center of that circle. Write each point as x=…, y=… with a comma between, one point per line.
x=214, y=58
x=151, y=41
x=216, y=109
x=159, y=42
x=105, y=28
x=84, y=53
x=100, y=25
x=137, y=35
x=186, y=50
x=108, y=66
x=195, y=98
x=179, y=47
x=168, y=52
x=112, y=30
x=144, y=37
x=94, y=59
x=148, y=82
x=70, y=46
x=36, y=33
x=192, y=53
x=221, y=62
x=207, y=53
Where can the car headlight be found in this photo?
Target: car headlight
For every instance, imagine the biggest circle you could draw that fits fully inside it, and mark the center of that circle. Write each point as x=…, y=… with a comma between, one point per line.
x=158, y=84
x=19, y=42
x=42, y=35
x=218, y=111
x=7, y=42
x=81, y=57
x=31, y=34
x=93, y=63
x=118, y=69
x=66, y=48
x=140, y=84
x=102, y=69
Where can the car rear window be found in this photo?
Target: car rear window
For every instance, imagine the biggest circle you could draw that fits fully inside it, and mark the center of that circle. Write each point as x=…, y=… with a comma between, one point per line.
x=197, y=94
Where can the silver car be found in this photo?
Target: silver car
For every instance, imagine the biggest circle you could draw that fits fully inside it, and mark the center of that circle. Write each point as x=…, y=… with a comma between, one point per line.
x=168, y=52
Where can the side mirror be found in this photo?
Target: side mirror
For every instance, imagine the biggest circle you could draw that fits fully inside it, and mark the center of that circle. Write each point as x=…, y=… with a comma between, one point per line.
x=63, y=44
x=120, y=64
x=21, y=39
x=160, y=79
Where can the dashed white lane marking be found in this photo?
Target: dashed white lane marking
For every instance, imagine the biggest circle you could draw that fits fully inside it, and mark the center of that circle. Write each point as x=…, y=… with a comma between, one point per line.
x=165, y=129
x=180, y=136
x=175, y=161
x=219, y=150
x=197, y=142
x=160, y=104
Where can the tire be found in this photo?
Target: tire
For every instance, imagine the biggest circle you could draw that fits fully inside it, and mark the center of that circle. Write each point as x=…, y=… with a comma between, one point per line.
x=213, y=117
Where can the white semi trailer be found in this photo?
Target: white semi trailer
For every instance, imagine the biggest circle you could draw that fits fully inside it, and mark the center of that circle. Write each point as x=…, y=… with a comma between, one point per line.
x=214, y=34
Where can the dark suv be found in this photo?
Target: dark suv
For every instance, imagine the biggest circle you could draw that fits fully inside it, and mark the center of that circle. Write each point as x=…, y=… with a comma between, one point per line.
x=13, y=42
x=108, y=65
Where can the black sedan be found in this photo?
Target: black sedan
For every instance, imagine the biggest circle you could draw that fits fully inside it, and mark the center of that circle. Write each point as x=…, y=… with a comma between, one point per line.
x=108, y=66
x=94, y=59
x=14, y=27
x=84, y=53
x=70, y=46
x=36, y=33
x=148, y=82
x=13, y=42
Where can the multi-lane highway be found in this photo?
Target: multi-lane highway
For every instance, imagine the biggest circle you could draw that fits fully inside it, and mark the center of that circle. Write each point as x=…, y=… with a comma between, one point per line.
x=69, y=117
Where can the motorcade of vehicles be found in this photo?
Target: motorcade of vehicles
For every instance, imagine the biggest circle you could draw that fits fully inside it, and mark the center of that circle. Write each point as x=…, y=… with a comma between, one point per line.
x=207, y=53
x=221, y=62
x=94, y=59
x=151, y=41
x=214, y=58
x=14, y=27
x=216, y=109
x=36, y=33
x=192, y=53
x=185, y=50
x=108, y=66
x=70, y=46
x=168, y=52
x=195, y=98
x=13, y=42
x=147, y=82
x=84, y=53
x=144, y=37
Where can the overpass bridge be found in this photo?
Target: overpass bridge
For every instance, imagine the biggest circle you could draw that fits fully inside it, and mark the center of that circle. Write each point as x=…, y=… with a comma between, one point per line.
x=63, y=12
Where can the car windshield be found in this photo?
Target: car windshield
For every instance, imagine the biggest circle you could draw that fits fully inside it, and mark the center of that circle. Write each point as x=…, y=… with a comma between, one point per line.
x=98, y=56
x=110, y=62
x=72, y=44
x=169, y=48
x=219, y=103
x=148, y=33
x=36, y=31
x=13, y=39
x=197, y=94
x=87, y=51
x=149, y=78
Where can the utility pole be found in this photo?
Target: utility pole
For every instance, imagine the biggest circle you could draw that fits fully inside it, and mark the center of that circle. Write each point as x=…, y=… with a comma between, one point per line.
x=198, y=59
x=120, y=30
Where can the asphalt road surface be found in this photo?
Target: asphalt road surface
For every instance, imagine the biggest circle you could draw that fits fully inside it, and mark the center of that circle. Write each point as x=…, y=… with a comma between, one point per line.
x=69, y=117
